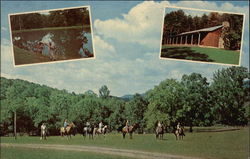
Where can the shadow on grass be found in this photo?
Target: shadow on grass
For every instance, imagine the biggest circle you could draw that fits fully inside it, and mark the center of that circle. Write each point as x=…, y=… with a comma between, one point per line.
x=184, y=53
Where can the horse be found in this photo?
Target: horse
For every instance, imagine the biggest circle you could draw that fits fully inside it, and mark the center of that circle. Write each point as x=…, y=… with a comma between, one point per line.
x=179, y=133
x=101, y=130
x=68, y=131
x=88, y=130
x=129, y=130
x=119, y=129
x=43, y=133
x=159, y=132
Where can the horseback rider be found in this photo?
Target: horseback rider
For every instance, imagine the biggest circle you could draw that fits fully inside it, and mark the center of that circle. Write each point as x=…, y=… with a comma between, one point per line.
x=100, y=126
x=87, y=124
x=43, y=128
x=127, y=125
x=65, y=124
x=159, y=124
x=178, y=127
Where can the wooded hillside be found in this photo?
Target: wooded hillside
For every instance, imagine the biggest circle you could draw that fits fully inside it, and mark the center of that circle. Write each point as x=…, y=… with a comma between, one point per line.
x=193, y=101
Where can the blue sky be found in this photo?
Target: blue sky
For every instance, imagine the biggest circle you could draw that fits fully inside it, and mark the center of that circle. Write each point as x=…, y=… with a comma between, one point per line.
x=127, y=46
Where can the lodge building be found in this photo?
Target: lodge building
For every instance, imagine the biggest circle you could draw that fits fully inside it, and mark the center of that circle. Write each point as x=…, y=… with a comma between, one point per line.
x=209, y=37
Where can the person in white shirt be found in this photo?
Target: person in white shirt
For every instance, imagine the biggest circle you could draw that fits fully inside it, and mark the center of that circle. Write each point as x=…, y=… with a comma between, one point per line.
x=100, y=127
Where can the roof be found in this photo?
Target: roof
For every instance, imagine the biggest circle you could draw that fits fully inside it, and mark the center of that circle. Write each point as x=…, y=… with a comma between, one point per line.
x=203, y=30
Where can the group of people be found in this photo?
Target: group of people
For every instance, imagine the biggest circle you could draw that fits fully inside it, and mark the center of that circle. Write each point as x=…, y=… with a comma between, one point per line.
x=46, y=49
x=100, y=125
x=178, y=126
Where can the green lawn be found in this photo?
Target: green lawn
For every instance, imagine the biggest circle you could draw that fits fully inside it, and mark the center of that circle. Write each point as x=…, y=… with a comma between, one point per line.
x=201, y=54
x=26, y=57
x=224, y=145
x=25, y=153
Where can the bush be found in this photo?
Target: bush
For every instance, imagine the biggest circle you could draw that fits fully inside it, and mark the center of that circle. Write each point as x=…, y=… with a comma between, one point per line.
x=232, y=40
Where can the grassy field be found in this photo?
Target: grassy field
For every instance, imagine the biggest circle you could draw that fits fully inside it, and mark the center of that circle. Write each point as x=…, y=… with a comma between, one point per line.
x=25, y=153
x=223, y=145
x=201, y=54
x=25, y=57
x=52, y=28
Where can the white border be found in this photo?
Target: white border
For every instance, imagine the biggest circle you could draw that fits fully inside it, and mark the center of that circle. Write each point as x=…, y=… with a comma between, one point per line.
x=175, y=59
x=59, y=61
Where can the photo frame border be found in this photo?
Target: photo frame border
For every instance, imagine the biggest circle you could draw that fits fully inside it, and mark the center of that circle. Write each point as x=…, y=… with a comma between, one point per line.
x=59, y=61
x=194, y=61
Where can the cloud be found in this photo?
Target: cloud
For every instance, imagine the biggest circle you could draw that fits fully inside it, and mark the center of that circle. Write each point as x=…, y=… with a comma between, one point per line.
x=6, y=56
x=127, y=55
x=142, y=25
x=103, y=49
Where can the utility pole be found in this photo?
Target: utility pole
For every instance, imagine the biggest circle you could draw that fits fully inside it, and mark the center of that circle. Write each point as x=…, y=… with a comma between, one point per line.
x=15, y=124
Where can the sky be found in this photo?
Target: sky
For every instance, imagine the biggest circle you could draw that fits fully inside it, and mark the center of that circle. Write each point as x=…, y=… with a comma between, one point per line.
x=127, y=37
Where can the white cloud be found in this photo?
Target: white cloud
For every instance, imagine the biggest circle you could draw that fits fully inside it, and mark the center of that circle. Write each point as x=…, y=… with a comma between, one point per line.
x=142, y=24
x=103, y=49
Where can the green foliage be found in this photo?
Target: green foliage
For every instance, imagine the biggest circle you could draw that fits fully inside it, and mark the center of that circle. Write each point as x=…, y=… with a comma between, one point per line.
x=232, y=40
x=192, y=101
x=198, y=101
x=165, y=101
x=135, y=110
x=230, y=95
x=104, y=91
x=59, y=18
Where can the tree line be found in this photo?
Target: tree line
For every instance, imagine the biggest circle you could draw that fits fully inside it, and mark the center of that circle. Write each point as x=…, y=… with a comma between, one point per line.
x=59, y=18
x=193, y=101
x=177, y=22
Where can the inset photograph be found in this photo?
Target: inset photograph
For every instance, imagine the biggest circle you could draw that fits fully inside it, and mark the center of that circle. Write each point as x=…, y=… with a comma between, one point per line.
x=51, y=35
x=201, y=35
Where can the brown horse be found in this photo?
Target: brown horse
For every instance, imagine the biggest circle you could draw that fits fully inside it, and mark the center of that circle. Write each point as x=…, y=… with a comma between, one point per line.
x=68, y=131
x=179, y=133
x=129, y=130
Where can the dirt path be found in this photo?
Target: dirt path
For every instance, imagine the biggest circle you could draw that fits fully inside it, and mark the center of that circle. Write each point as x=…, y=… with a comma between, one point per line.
x=104, y=150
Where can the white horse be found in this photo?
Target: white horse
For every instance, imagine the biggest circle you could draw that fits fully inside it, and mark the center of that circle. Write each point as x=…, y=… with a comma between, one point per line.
x=43, y=133
x=101, y=130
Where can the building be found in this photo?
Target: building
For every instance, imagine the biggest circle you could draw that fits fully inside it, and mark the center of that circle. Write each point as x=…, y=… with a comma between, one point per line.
x=210, y=37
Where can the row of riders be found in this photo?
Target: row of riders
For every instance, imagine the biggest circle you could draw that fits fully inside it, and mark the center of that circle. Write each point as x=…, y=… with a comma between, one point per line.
x=160, y=129
x=91, y=130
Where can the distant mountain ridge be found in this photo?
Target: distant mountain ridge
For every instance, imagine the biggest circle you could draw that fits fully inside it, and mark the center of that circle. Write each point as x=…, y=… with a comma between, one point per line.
x=129, y=97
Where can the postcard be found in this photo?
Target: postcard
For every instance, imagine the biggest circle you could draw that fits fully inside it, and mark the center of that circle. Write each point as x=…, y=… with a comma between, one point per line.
x=124, y=80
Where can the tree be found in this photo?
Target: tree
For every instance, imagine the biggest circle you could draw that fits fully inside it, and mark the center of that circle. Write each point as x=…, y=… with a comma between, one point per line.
x=164, y=102
x=119, y=116
x=214, y=19
x=230, y=95
x=60, y=106
x=232, y=40
x=204, y=21
x=15, y=101
x=197, y=108
x=136, y=109
x=104, y=92
x=197, y=23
